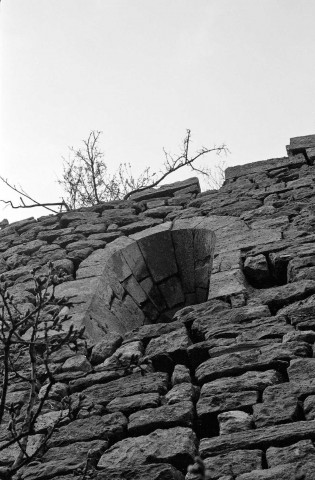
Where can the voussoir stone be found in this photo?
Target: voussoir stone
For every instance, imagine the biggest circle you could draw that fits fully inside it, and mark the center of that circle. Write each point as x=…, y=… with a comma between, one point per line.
x=176, y=446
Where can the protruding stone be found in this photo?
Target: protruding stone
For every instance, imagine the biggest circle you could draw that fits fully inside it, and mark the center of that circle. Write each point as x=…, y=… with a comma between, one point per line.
x=234, y=421
x=257, y=271
x=181, y=374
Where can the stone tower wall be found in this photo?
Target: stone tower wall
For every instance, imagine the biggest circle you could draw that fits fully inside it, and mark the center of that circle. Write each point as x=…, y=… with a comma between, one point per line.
x=174, y=367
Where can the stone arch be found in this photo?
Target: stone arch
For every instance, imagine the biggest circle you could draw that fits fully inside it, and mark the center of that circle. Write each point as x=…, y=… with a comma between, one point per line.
x=146, y=277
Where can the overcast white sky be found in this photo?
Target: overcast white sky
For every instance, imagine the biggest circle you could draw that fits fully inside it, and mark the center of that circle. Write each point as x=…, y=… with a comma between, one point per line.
x=143, y=71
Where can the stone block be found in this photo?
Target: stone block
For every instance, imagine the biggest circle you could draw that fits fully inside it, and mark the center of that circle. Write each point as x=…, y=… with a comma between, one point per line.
x=140, y=472
x=166, y=416
x=263, y=166
x=181, y=374
x=134, y=289
x=227, y=283
x=184, y=251
x=278, y=297
x=127, y=386
x=105, y=347
x=297, y=452
x=298, y=143
x=134, y=403
x=207, y=406
x=174, y=344
x=153, y=293
x=181, y=392
x=257, y=271
x=309, y=407
x=66, y=460
x=167, y=190
x=258, y=438
x=234, y=421
x=176, y=446
x=125, y=356
x=135, y=260
x=301, y=369
x=157, y=248
x=171, y=290
x=236, y=463
x=110, y=427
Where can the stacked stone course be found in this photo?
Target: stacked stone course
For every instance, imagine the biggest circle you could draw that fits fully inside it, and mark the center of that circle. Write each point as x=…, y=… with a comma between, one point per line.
x=174, y=368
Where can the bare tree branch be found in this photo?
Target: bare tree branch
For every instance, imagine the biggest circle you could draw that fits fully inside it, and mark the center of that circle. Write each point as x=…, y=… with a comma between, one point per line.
x=29, y=353
x=22, y=192
x=172, y=164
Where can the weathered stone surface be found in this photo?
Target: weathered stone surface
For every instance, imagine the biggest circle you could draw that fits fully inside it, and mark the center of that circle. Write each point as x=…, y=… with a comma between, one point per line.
x=105, y=348
x=153, y=293
x=76, y=385
x=181, y=392
x=298, y=452
x=174, y=343
x=126, y=355
x=278, y=297
x=167, y=416
x=147, y=332
x=167, y=190
x=110, y=427
x=120, y=217
x=309, y=407
x=135, y=290
x=234, y=421
x=251, y=380
x=301, y=369
x=259, y=438
x=77, y=363
x=234, y=364
x=262, y=166
x=175, y=445
x=124, y=387
x=157, y=249
x=142, y=472
x=59, y=461
x=184, y=250
x=208, y=321
x=276, y=408
x=132, y=404
x=227, y=283
x=257, y=271
x=282, y=472
x=181, y=374
x=172, y=292
x=227, y=401
x=236, y=463
x=161, y=212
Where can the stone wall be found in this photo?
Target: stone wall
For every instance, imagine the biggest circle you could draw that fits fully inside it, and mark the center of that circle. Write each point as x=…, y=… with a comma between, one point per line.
x=172, y=368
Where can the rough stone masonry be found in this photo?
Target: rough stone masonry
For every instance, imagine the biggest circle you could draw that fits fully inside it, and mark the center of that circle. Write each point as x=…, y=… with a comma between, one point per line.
x=230, y=367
